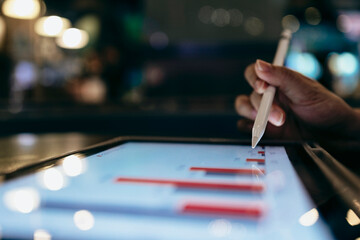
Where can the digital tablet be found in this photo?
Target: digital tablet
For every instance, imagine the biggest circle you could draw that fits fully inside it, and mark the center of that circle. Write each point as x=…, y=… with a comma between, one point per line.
x=161, y=188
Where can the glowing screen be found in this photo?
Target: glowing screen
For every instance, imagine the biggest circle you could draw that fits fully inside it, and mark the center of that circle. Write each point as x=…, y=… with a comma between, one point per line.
x=145, y=190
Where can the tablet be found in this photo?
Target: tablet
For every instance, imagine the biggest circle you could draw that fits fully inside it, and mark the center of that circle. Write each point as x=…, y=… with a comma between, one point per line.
x=137, y=188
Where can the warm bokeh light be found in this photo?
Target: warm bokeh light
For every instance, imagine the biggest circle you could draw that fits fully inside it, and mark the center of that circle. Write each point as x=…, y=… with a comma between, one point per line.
x=21, y=9
x=290, y=22
x=309, y=218
x=73, y=165
x=73, y=38
x=352, y=218
x=51, y=26
x=41, y=234
x=52, y=179
x=254, y=26
x=2, y=31
x=312, y=16
x=24, y=200
x=84, y=220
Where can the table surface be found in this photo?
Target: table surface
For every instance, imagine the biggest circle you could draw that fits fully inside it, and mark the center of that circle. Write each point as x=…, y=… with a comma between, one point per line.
x=23, y=149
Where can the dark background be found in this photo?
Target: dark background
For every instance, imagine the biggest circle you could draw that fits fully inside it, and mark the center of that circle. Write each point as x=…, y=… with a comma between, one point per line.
x=161, y=67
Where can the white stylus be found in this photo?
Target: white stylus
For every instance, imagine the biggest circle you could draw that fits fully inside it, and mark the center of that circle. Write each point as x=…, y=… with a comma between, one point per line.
x=268, y=96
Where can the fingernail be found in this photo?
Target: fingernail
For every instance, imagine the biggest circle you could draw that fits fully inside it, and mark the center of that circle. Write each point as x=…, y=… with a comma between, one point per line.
x=278, y=117
x=260, y=86
x=263, y=66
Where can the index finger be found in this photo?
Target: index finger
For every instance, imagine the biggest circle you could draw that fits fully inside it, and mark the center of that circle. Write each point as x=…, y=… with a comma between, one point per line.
x=255, y=82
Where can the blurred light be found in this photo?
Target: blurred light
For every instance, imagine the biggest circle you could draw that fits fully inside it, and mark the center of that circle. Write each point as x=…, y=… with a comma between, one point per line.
x=305, y=63
x=290, y=22
x=312, y=16
x=309, y=218
x=349, y=23
x=21, y=9
x=91, y=24
x=344, y=23
x=220, y=17
x=51, y=26
x=344, y=64
x=2, y=31
x=352, y=218
x=84, y=220
x=254, y=26
x=205, y=14
x=236, y=17
x=41, y=234
x=26, y=139
x=93, y=91
x=24, y=75
x=24, y=200
x=73, y=38
x=220, y=228
x=73, y=165
x=159, y=40
x=52, y=179
x=154, y=75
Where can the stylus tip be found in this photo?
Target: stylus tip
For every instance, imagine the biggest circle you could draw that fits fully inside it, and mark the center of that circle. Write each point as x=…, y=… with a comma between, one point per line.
x=254, y=142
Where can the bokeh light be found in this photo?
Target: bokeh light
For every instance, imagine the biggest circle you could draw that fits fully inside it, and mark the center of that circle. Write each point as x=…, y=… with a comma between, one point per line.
x=84, y=220
x=51, y=26
x=220, y=17
x=25, y=75
x=236, y=17
x=205, y=13
x=220, y=228
x=41, y=234
x=73, y=165
x=2, y=31
x=73, y=38
x=254, y=26
x=52, y=179
x=305, y=63
x=21, y=9
x=312, y=16
x=290, y=22
x=344, y=64
x=91, y=24
x=159, y=40
x=23, y=200
x=26, y=139
x=352, y=218
x=309, y=218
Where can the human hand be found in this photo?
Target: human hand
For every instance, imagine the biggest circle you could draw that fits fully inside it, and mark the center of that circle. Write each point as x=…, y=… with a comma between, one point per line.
x=302, y=107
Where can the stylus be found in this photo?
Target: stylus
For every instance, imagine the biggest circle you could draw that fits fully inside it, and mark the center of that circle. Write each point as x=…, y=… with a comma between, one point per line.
x=268, y=96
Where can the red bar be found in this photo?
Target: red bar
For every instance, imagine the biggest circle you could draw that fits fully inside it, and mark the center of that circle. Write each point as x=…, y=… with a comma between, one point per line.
x=261, y=152
x=196, y=184
x=216, y=209
x=229, y=170
x=255, y=160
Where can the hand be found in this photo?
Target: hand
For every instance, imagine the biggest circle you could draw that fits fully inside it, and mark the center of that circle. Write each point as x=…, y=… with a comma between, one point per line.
x=302, y=107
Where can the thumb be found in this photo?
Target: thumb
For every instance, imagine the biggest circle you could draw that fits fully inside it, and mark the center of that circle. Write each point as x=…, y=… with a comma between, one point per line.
x=292, y=84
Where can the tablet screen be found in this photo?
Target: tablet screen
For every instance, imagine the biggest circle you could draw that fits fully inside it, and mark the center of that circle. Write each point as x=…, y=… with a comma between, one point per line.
x=155, y=190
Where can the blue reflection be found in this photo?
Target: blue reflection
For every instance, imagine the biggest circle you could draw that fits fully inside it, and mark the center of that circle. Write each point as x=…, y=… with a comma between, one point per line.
x=305, y=63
